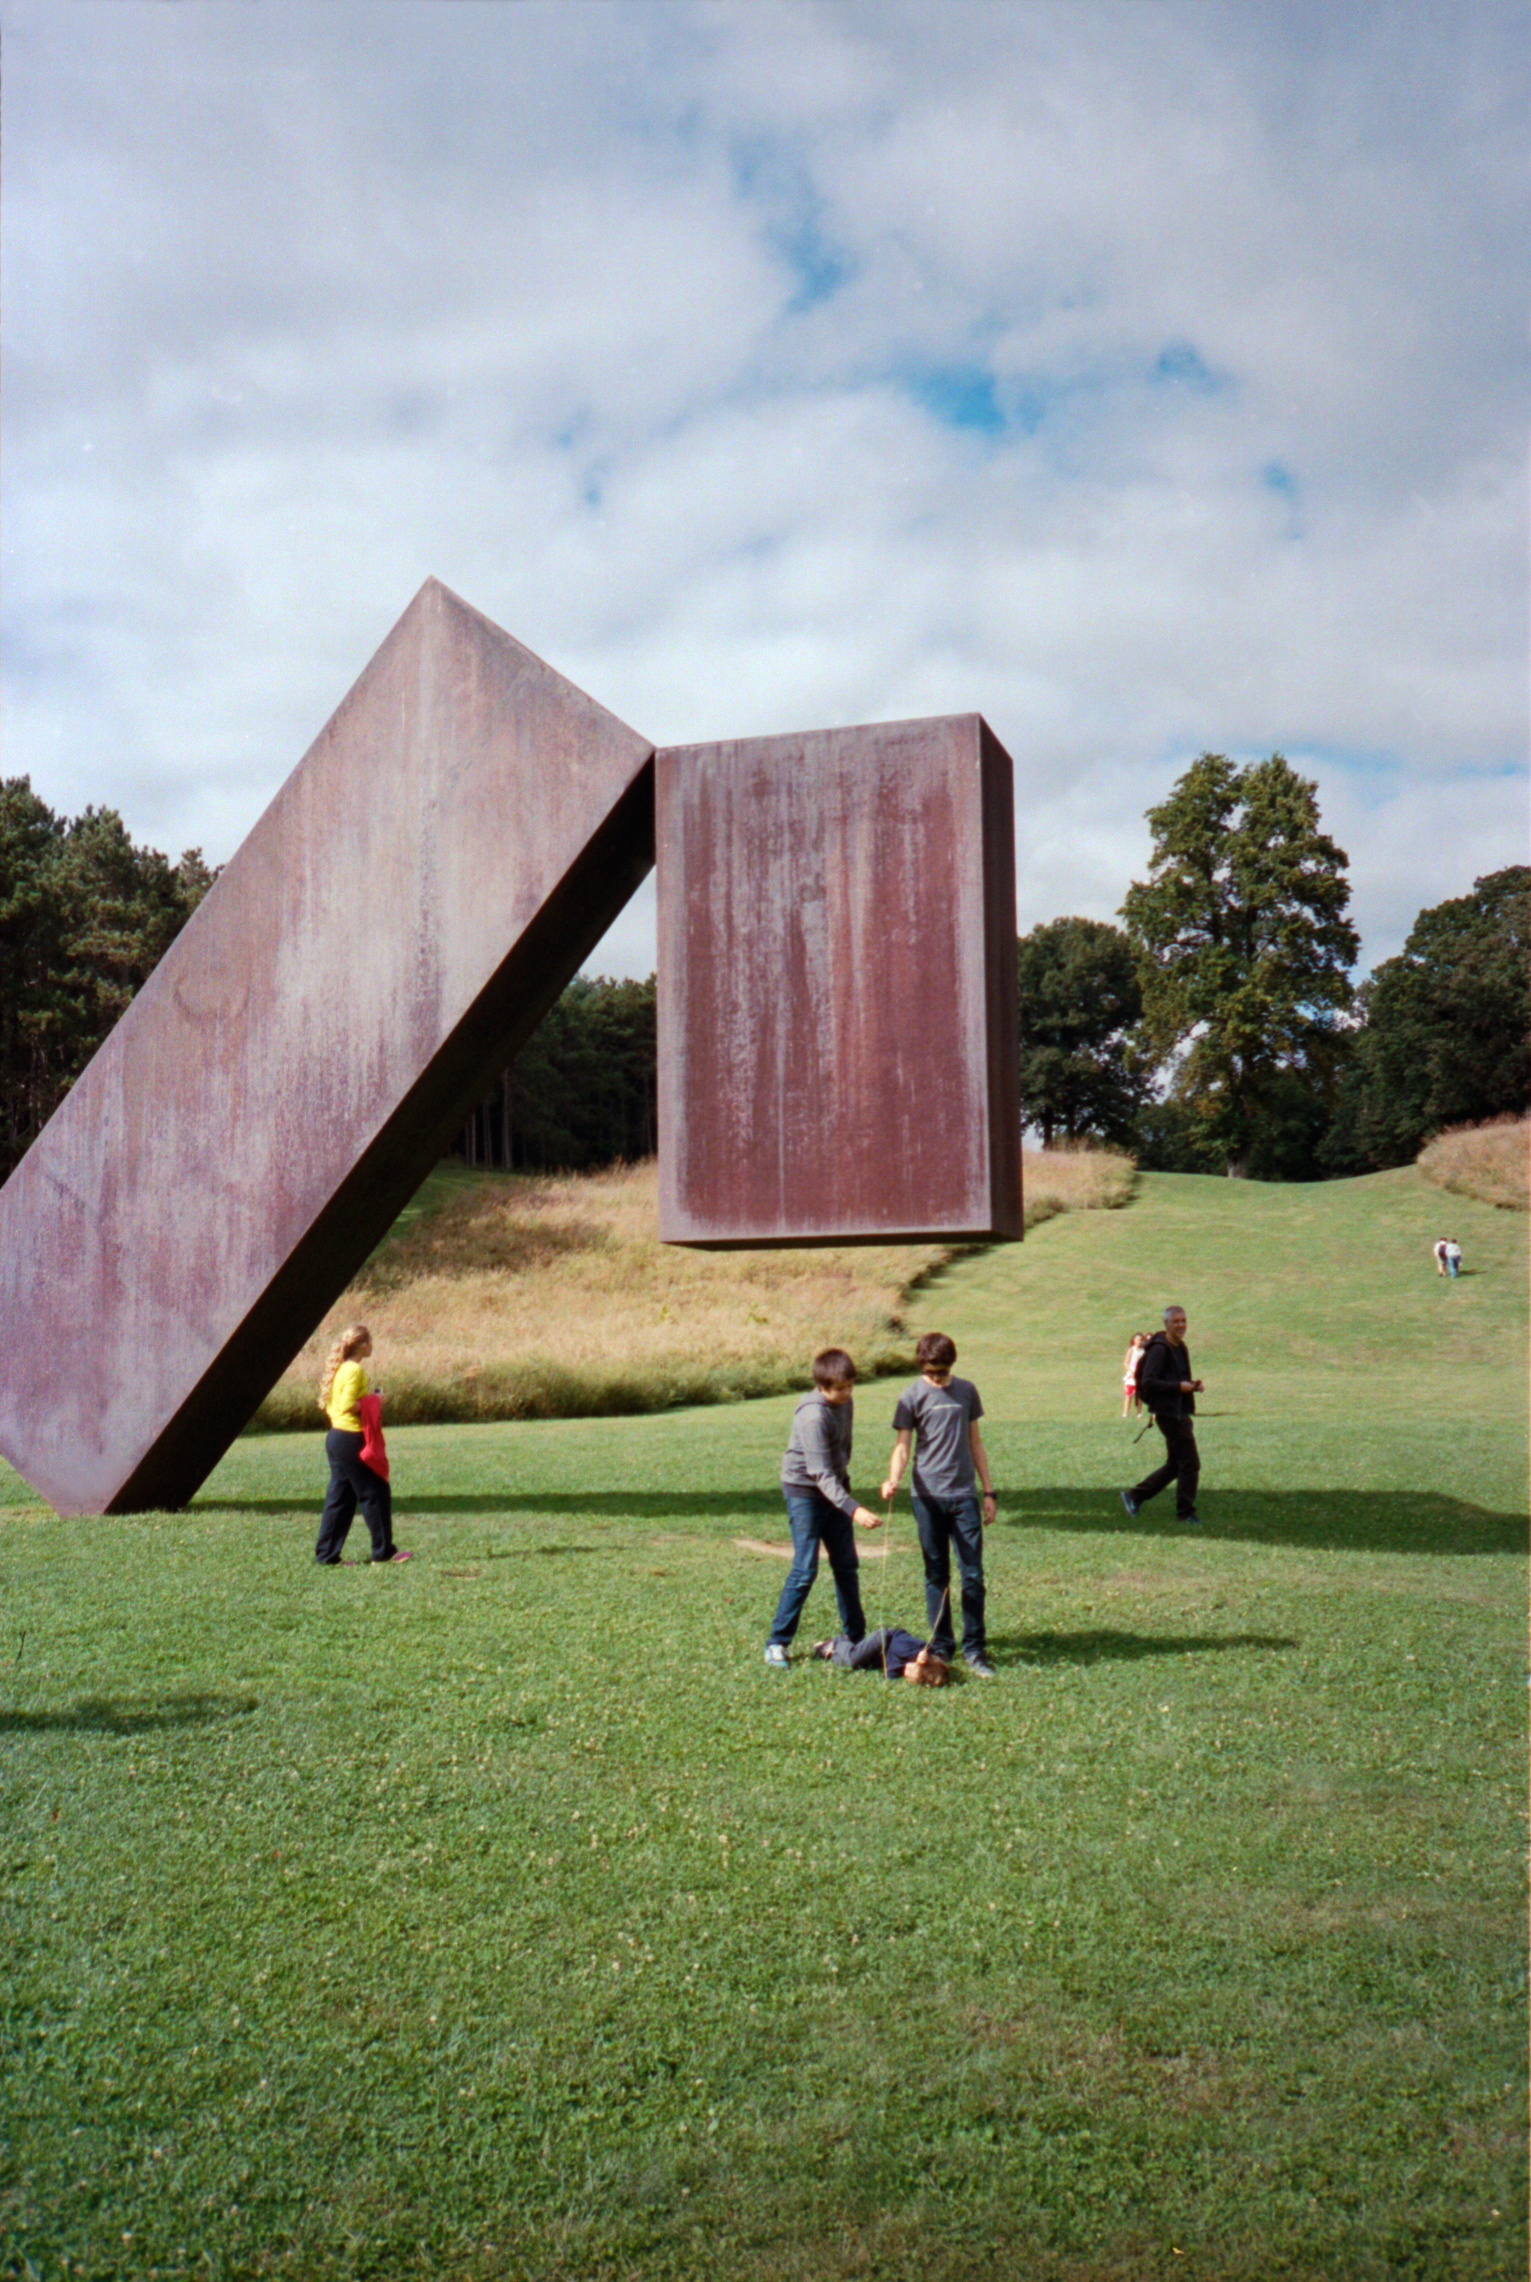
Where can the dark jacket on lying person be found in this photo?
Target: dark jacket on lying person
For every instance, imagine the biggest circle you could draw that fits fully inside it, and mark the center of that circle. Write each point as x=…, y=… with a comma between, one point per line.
x=890, y=1649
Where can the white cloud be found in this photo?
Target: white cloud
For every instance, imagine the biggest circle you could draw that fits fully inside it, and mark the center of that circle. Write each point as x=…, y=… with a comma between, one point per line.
x=1149, y=378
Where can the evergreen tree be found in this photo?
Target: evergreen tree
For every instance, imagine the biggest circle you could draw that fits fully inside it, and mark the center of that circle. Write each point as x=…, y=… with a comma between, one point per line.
x=584, y=1089
x=1079, y=998
x=1243, y=946
x=85, y=917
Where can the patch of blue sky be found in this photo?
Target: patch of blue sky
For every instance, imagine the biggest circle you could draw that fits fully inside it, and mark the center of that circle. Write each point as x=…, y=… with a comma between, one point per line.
x=1278, y=478
x=967, y=395
x=1381, y=775
x=770, y=173
x=959, y=396
x=1182, y=364
x=820, y=268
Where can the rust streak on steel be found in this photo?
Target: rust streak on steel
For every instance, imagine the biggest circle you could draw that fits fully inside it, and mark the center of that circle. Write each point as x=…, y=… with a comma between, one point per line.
x=837, y=987
x=421, y=889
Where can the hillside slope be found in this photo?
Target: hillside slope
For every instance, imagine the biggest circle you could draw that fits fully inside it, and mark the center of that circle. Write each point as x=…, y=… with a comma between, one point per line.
x=1319, y=1299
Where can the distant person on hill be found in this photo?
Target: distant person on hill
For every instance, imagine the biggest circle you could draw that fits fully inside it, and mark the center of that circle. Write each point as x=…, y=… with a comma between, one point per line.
x=815, y=1481
x=1439, y=1250
x=1131, y=1399
x=1453, y=1257
x=889, y=1650
x=938, y=1418
x=345, y=1399
x=1170, y=1391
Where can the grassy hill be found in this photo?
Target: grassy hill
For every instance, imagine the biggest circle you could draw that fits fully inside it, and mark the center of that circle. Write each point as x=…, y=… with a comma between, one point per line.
x=515, y=1295
x=500, y=1916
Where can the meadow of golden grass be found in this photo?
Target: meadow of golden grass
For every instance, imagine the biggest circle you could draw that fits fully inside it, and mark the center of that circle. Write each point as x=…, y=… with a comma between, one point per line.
x=509, y=1295
x=1491, y=1161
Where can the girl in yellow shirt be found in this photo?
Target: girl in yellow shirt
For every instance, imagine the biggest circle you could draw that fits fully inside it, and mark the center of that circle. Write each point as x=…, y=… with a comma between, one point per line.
x=352, y=1481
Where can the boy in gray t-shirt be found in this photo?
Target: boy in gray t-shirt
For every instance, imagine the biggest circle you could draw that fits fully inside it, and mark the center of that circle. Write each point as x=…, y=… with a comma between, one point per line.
x=937, y=1418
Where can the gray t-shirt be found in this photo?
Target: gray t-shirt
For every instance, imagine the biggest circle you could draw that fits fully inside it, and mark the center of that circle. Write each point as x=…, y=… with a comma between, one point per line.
x=943, y=1450
x=818, y=1455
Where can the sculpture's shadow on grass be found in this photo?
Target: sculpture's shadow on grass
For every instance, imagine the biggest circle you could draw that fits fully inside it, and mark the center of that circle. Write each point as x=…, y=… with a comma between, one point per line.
x=96, y=1715
x=1319, y=1520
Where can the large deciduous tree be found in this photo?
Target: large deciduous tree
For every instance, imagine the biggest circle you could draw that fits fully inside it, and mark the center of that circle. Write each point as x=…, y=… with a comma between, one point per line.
x=1243, y=946
x=1079, y=999
x=1446, y=1031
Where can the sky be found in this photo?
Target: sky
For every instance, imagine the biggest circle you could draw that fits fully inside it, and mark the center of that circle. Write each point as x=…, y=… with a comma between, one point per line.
x=1149, y=376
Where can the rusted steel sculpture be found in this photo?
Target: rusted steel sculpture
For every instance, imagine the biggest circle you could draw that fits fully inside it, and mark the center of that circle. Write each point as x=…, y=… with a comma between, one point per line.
x=837, y=1043
x=837, y=987
x=419, y=892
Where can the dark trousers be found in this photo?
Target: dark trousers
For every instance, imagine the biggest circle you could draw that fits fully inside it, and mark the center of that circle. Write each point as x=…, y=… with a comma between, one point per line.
x=1182, y=1466
x=815, y=1522
x=351, y=1485
x=944, y=1523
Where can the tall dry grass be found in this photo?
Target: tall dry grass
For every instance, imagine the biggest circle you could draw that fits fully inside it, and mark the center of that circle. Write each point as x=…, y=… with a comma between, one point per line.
x=1491, y=1162
x=508, y=1295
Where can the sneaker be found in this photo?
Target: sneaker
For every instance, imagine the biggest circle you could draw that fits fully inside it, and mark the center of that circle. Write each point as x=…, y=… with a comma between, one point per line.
x=1191, y=1520
x=1129, y=1501
x=396, y=1555
x=980, y=1667
x=777, y=1658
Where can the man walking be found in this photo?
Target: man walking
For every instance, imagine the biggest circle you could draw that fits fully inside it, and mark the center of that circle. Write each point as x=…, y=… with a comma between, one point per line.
x=1167, y=1386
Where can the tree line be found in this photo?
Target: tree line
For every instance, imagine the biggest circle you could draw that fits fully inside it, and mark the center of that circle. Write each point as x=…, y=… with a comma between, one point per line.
x=85, y=917
x=1216, y=1029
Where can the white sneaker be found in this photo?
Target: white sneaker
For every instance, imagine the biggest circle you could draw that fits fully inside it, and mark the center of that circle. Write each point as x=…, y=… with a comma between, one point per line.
x=776, y=1656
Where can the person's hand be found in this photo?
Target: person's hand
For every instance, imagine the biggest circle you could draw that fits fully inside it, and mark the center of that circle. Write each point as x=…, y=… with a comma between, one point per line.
x=889, y=1491
x=866, y=1519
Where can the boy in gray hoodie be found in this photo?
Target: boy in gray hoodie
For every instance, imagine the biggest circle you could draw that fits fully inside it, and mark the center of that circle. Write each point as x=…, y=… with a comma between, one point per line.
x=815, y=1480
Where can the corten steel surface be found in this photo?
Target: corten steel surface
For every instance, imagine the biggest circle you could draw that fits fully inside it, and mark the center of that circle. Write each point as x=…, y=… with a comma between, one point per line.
x=424, y=885
x=837, y=987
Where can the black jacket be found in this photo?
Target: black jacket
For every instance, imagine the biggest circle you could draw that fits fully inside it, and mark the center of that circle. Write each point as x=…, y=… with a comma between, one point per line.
x=1159, y=1376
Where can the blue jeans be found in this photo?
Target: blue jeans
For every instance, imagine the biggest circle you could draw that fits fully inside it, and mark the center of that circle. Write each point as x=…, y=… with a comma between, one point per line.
x=815, y=1521
x=942, y=1524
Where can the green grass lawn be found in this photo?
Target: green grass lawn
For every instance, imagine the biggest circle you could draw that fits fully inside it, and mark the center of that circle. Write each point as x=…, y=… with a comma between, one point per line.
x=501, y=1915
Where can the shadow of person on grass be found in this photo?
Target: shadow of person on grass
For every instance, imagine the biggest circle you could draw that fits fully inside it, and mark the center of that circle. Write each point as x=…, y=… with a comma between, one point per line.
x=1103, y=1645
x=1317, y=1519
x=1330, y=1520
x=94, y=1715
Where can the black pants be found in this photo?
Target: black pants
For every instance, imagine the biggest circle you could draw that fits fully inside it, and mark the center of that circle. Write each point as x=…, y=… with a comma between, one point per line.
x=1182, y=1466
x=351, y=1485
x=945, y=1523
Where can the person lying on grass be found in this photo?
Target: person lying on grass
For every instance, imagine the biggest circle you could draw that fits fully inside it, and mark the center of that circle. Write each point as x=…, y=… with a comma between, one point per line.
x=815, y=1481
x=890, y=1650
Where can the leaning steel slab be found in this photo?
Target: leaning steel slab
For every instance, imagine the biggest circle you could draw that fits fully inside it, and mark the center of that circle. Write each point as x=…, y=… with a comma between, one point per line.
x=837, y=987
x=450, y=850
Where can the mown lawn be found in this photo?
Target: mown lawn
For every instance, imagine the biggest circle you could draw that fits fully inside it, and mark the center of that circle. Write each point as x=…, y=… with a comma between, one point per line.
x=500, y=1915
